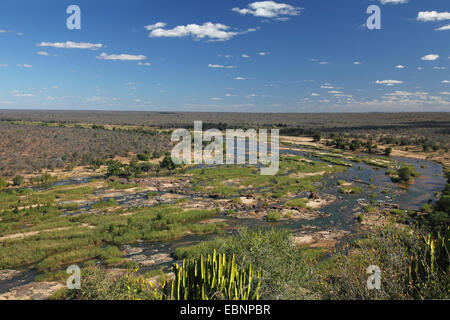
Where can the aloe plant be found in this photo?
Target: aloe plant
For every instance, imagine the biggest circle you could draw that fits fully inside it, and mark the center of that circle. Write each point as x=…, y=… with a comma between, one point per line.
x=213, y=277
x=434, y=256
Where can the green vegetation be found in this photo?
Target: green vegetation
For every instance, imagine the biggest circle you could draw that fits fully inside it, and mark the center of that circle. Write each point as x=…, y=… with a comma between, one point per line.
x=3, y=183
x=273, y=216
x=59, y=240
x=409, y=270
x=406, y=173
x=229, y=181
x=105, y=204
x=297, y=203
x=18, y=180
x=414, y=267
x=212, y=278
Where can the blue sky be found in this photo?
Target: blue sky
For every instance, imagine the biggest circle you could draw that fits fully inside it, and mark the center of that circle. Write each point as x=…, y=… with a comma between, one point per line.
x=238, y=56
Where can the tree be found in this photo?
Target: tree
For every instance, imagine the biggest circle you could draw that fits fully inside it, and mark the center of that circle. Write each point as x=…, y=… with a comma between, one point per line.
x=317, y=137
x=388, y=151
x=18, y=180
x=142, y=157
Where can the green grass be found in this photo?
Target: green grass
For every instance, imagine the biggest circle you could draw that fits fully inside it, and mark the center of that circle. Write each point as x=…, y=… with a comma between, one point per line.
x=105, y=204
x=273, y=216
x=351, y=189
x=298, y=203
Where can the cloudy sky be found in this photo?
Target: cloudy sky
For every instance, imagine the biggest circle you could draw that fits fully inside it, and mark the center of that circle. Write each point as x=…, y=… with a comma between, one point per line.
x=226, y=55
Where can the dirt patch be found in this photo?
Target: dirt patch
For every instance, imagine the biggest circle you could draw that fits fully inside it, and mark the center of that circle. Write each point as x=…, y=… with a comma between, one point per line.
x=306, y=141
x=215, y=220
x=306, y=174
x=33, y=233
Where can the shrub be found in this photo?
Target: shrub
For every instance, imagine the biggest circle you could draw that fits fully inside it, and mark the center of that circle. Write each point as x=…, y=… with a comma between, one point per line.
x=143, y=157
x=167, y=163
x=351, y=190
x=398, y=255
x=273, y=216
x=3, y=183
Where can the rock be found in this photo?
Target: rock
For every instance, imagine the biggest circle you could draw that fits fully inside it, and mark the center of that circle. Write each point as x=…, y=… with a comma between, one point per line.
x=132, y=250
x=155, y=259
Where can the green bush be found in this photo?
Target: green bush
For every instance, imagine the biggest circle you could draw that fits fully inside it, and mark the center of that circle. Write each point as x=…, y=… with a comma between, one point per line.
x=18, y=180
x=351, y=190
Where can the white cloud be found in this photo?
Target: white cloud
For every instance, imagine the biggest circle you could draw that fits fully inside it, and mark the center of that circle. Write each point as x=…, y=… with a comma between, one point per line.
x=245, y=56
x=430, y=57
x=16, y=93
x=155, y=26
x=122, y=57
x=393, y=1
x=262, y=53
x=214, y=31
x=446, y=81
x=43, y=53
x=445, y=93
x=269, y=9
x=25, y=65
x=219, y=66
x=3, y=65
x=146, y=64
x=357, y=62
x=444, y=28
x=433, y=16
x=400, y=67
x=215, y=99
x=389, y=83
x=315, y=95
x=71, y=45
x=239, y=78
x=334, y=92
